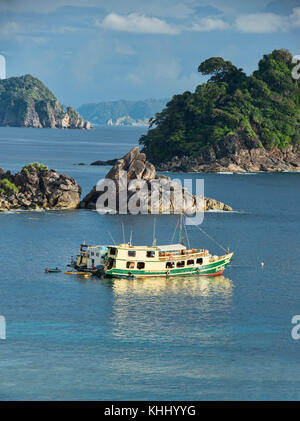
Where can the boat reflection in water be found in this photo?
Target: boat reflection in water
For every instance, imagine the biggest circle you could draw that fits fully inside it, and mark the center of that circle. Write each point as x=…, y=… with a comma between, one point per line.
x=193, y=285
x=169, y=310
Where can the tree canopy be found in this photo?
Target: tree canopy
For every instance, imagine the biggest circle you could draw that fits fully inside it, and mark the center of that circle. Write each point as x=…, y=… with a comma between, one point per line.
x=264, y=106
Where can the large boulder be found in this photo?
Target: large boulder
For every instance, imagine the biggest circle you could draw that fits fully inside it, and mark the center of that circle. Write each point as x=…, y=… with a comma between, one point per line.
x=37, y=187
x=140, y=185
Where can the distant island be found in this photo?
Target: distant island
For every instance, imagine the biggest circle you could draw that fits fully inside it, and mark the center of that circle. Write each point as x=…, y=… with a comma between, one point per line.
x=26, y=102
x=122, y=113
x=233, y=122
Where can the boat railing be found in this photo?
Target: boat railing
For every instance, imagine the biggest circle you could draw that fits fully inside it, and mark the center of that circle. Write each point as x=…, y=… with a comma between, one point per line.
x=216, y=258
x=182, y=254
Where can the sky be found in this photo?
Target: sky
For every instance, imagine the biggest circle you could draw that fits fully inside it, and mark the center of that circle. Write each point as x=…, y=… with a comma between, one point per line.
x=98, y=50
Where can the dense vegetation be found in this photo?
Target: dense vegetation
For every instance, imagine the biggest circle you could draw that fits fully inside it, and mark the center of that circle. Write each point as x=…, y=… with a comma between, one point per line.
x=7, y=186
x=24, y=87
x=264, y=106
x=37, y=165
x=102, y=112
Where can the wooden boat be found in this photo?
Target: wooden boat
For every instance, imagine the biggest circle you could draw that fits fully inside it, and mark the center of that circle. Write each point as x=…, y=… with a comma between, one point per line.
x=140, y=262
x=166, y=261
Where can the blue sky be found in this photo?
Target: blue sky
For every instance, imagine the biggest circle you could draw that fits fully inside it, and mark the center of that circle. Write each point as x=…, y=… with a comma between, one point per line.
x=99, y=50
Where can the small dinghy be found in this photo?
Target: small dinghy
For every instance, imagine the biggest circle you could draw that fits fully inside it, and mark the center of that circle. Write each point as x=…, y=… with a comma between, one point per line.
x=52, y=270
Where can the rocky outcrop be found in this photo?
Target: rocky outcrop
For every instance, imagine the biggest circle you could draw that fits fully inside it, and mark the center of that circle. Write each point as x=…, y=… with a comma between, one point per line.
x=36, y=187
x=137, y=183
x=237, y=153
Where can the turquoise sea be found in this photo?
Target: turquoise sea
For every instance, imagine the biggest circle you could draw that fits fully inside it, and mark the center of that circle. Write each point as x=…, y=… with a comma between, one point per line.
x=224, y=338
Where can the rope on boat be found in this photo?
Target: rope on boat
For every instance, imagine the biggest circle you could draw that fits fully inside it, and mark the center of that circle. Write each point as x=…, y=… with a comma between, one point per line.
x=111, y=237
x=175, y=231
x=211, y=238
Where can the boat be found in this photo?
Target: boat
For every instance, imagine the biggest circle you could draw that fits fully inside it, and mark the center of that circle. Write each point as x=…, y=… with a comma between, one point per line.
x=140, y=262
x=170, y=260
x=49, y=270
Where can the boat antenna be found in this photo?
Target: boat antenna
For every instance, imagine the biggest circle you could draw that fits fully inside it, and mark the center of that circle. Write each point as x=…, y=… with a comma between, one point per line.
x=123, y=232
x=154, y=233
x=130, y=239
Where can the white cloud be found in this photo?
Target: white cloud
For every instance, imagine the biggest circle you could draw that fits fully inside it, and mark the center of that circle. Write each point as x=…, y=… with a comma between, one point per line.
x=268, y=22
x=210, y=24
x=35, y=32
x=259, y=22
x=138, y=24
x=295, y=17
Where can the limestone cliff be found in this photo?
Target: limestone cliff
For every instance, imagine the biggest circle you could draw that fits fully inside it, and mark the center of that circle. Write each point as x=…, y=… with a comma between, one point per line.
x=26, y=102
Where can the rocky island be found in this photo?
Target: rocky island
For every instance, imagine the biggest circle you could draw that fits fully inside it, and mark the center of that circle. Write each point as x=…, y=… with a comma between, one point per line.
x=138, y=168
x=233, y=122
x=36, y=187
x=26, y=102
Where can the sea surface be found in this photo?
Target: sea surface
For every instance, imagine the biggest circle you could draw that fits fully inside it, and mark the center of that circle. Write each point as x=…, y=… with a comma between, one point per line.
x=224, y=338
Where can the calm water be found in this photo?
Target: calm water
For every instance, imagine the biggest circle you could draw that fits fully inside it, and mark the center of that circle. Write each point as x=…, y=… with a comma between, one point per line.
x=193, y=339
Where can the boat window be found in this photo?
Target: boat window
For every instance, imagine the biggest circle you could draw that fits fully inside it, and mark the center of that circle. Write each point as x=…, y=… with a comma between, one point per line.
x=180, y=264
x=150, y=253
x=140, y=265
x=131, y=253
x=113, y=251
x=170, y=265
x=190, y=262
x=130, y=265
x=200, y=261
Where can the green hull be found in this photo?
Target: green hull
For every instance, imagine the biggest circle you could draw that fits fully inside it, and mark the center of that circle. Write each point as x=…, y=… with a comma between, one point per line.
x=213, y=269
